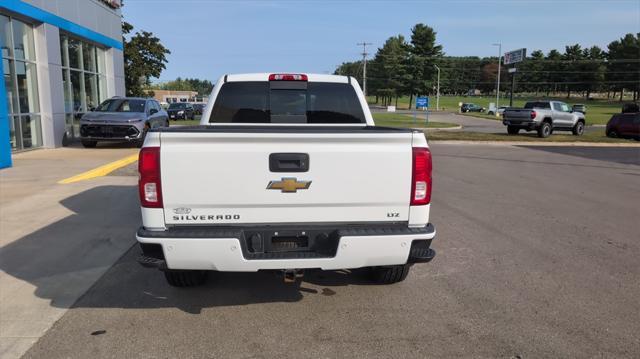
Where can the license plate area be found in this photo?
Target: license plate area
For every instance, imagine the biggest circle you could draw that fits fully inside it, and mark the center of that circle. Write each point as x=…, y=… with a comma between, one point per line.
x=261, y=244
x=283, y=242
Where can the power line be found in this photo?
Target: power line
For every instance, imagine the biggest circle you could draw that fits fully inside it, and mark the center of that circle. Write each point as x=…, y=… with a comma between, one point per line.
x=473, y=59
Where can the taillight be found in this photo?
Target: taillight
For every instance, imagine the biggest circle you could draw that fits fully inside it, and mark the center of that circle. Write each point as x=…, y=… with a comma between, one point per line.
x=149, y=185
x=288, y=77
x=533, y=114
x=421, y=181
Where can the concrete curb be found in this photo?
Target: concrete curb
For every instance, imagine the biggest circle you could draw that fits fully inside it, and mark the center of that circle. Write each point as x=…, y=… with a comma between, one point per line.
x=455, y=128
x=532, y=143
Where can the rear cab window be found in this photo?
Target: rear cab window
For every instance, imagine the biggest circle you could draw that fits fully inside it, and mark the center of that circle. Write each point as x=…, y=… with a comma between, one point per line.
x=538, y=105
x=288, y=102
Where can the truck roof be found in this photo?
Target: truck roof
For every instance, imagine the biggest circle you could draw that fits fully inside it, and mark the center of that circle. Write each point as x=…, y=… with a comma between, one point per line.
x=264, y=76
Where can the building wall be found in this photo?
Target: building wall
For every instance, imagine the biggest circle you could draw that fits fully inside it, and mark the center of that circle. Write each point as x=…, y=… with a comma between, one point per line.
x=169, y=95
x=91, y=14
x=92, y=21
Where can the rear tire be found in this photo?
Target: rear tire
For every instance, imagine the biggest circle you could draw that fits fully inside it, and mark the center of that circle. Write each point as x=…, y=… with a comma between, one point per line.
x=578, y=129
x=612, y=134
x=185, y=278
x=544, y=130
x=512, y=130
x=89, y=144
x=390, y=274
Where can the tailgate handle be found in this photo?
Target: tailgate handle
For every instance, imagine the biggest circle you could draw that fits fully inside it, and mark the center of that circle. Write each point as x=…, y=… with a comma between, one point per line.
x=288, y=162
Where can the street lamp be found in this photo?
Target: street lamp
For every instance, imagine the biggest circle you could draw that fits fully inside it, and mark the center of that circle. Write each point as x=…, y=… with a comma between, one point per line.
x=438, y=90
x=498, y=81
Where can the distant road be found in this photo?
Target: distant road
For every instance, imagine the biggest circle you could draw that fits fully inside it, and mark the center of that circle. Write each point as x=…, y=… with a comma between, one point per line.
x=471, y=124
x=468, y=123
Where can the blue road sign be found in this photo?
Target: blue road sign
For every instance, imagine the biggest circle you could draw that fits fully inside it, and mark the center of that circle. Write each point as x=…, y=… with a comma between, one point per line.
x=422, y=102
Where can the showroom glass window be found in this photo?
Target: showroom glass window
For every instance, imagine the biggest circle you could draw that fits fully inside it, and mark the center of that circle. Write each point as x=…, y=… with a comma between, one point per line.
x=21, y=84
x=83, y=80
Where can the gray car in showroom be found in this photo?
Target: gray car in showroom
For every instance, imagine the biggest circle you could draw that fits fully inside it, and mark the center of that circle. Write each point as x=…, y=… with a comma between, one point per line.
x=122, y=119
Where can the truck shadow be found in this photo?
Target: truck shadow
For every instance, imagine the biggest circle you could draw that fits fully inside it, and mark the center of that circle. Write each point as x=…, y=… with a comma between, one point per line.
x=128, y=285
x=76, y=255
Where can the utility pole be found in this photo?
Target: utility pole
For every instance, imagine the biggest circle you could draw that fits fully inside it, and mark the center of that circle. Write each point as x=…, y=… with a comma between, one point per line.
x=438, y=90
x=364, y=65
x=512, y=71
x=498, y=81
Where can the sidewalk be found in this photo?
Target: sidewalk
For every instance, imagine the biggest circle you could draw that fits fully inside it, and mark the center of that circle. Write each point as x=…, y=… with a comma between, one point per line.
x=56, y=240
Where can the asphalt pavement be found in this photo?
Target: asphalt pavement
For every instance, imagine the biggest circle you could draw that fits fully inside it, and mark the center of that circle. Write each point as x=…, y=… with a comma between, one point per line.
x=537, y=257
x=57, y=240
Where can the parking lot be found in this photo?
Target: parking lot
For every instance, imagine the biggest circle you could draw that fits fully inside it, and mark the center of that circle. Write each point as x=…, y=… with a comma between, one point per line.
x=537, y=257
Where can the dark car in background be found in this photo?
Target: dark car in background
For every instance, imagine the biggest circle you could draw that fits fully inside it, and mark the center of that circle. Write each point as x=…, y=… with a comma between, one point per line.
x=471, y=107
x=198, y=108
x=624, y=125
x=579, y=108
x=630, y=108
x=181, y=111
x=121, y=119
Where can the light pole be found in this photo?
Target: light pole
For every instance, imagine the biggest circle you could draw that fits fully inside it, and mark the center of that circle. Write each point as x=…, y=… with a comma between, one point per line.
x=438, y=89
x=498, y=81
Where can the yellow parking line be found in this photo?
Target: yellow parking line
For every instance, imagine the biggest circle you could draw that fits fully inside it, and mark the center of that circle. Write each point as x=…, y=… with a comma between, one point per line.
x=102, y=170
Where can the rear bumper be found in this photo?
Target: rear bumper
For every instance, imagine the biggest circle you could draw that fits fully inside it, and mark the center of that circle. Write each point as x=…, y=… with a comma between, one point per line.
x=526, y=124
x=229, y=249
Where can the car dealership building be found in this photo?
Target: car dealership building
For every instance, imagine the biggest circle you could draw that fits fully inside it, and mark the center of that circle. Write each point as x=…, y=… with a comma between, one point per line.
x=60, y=59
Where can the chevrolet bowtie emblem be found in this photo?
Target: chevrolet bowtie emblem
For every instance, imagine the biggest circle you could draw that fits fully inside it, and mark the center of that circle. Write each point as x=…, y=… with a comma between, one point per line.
x=289, y=185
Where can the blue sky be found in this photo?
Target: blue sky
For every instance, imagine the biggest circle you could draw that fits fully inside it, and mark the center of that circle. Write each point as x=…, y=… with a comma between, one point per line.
x=208, y=38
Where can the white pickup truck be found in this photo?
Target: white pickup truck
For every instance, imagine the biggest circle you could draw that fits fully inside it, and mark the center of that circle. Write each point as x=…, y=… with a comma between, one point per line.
x=285, y=172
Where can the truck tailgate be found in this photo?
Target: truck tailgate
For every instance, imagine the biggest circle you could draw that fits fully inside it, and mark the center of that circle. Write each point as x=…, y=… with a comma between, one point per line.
x=221, y=177
x=517, y=114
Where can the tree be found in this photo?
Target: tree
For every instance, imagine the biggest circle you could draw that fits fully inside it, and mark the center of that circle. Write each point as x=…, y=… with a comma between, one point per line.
x=593, y=72
x=574, y=55
x=553, y=68
x=202, y=87
x=532, y=75
x=353, y=69
x=388, y=68
x=489, y=76
x=144, y=58
x=623, y=63
x=423, y=54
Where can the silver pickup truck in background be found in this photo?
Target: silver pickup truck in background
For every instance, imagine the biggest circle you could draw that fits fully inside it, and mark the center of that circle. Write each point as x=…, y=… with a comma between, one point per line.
x=543, y=117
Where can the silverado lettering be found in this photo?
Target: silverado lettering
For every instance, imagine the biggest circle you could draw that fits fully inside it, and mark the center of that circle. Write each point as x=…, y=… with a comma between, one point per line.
x=206, y=217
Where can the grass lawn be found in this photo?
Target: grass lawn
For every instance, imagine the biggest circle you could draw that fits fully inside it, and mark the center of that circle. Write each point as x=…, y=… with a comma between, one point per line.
x=194, y=122
x=598, y=111
x=399, y=120
x=591, y=136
